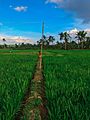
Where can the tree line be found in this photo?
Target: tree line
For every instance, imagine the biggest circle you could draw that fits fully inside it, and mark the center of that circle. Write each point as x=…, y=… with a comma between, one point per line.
x=81, y=41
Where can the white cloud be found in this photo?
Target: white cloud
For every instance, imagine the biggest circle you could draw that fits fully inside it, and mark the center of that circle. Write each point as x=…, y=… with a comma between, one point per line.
x=11, y=33
x=21, y=8
x=73, y=31
x=79, y=8
x=53, y=1
x=15, y=39
x=88, y=32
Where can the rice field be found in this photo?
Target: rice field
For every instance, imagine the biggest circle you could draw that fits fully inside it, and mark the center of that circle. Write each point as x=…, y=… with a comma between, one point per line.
x=67, y=81
x=66, y=76
x=16, y=71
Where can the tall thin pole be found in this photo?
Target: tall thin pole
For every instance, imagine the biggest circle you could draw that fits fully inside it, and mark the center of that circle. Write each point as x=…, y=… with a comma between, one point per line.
x=42, y=45
x=42, y=29
x=42, y=36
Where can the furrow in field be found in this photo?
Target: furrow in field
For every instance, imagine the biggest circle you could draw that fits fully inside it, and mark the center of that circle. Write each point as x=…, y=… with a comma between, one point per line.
x=33, y=106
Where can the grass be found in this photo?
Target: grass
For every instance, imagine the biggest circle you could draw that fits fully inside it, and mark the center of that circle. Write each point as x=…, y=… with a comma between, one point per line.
x=11, y=51
x=16, y=71
x=67, y=80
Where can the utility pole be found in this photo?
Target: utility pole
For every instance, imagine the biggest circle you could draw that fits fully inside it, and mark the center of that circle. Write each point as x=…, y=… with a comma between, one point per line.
x=41, y=45
x=42, y=36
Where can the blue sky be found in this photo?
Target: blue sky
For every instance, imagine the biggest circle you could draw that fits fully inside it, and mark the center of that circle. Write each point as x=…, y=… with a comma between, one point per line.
x=24, y=17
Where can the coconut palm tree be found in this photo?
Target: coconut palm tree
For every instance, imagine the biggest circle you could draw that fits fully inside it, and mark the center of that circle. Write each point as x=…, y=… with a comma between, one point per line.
x=46, y=40
x=64, y=36
x=81, y=35
x=51, y=39
x=88, y=42
x=42, y=41
x=4, y=40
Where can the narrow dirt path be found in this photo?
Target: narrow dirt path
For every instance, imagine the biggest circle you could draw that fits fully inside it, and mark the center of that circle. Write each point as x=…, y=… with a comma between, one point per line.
x=33, y=107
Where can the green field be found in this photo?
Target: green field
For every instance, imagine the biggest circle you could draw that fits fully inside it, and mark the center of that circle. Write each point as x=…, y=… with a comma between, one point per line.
x=67, y=82
x=16, y=71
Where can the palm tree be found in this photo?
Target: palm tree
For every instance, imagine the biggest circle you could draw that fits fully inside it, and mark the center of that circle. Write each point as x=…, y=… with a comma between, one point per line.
x=57, y=43
x=81, y=35
x=38, y=42
x=88, y=42
x=64, y=36
x=46, y=40
x=42, y=41
x=51, y=39
x=4, y=40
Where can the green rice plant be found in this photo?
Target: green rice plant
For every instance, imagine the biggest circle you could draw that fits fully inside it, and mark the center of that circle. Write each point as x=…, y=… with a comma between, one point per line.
x=16, y=71
x=67, y=81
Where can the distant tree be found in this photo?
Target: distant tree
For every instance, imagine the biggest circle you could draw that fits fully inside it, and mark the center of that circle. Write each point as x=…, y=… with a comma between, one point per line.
x=59, y=45
x=64, y=36
x=61, y=35
x=46, y=40
x=22, y=45
x=88, y=42
x=38, y=42
x=57, y=42
x=16, y=46
x=81, y=35
x=73, y=45
x=51, y=39
x=4, y=40
x=42, y=40
x=5, y=45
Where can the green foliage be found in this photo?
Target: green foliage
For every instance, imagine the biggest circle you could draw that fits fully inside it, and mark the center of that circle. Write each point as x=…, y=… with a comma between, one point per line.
x=15, y=74
x=67, y=80
x=65, y=36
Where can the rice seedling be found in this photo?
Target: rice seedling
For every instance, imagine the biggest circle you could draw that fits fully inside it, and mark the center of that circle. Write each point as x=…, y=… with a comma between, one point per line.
x=67, y=80
x=16, y=71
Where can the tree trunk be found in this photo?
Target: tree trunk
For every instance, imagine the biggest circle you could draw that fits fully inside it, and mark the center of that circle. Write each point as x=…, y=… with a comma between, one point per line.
x=78, y=44
x=82, y=44
x=65, y=45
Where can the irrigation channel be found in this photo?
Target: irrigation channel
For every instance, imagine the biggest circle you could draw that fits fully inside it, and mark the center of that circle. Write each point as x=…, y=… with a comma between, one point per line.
x=33, y=105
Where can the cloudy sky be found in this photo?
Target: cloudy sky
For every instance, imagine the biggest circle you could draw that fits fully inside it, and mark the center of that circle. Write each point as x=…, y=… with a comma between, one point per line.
x=22, y=19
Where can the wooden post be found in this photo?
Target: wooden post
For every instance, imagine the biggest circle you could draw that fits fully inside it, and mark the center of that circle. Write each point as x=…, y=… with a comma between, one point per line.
x=40, y=56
